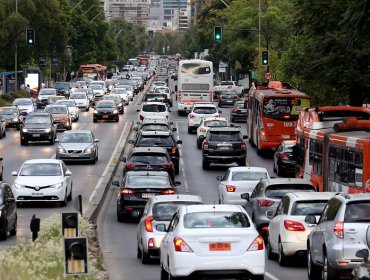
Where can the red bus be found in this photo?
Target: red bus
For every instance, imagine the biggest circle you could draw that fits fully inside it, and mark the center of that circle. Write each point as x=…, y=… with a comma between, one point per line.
x=273, y=110
x=94, y=71
x=334, y=148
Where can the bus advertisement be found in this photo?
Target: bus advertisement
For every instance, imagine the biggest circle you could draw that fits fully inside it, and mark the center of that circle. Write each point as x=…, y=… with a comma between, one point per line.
x=195, y=83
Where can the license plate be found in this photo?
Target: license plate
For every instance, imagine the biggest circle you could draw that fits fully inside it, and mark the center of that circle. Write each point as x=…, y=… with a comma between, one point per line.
x=37, y=194
x=243, y=111
x=285, y=137
x=36, y=135
x=224, y=148
x=73, y=155
x=105, y=116
x=224, y=246
x=135, y=213
x=147, y=195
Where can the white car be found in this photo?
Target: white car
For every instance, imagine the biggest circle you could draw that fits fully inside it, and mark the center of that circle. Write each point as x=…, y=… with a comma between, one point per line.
x=98, y=91
x=123, y=93
x=288, y=231
x=239, y=180
x=81, y=100
x=153, y=109
x=199, y=111
x=158, y=210
x=72, y=108
x=43, y=180
x=205, y=124
x=212, y=239
x=129, y=90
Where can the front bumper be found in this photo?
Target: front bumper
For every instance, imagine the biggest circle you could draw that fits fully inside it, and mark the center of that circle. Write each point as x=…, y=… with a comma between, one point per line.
x=110, y=117
x=46, y=194
x=39, y=136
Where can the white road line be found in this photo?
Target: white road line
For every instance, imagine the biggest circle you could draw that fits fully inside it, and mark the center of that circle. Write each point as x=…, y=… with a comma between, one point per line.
x=108, y=165
x=182, y=163
x=272, y=277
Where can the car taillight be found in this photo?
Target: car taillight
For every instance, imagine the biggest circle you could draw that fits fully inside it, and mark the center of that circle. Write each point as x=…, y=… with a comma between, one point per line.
x=235, y=110
x=181, y=246
x=283, y=156
x=230, y=188
x=167, y=165
x=202, y=130
x=256, y=245
x=141, y=117
x=127, y=191
x=148, y=223
x=235, y=97
x=243, y=145
x=265, y=202
x=339, y=230
x=191, y=116
x=173, y=150
x=168, y=191
x=130, y=165
x=293, y=226
x=221, y=96
x=205, y=144
x=367, y=186
x=150, y=242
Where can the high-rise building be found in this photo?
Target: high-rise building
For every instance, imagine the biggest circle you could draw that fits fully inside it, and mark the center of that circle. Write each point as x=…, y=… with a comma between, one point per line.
x=134, y=11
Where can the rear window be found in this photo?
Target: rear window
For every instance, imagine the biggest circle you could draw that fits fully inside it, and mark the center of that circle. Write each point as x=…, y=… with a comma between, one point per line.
x=248, y=176
x=163, y=211
x=154, y=127
x=225, y=136
x=304, y=208
x=205, y=110
x=148, y=159
x=216, y=220
x=154, y=108
x=215, y=123
x=160, y=141
x=147, y=180
x=357, y=212
x=278, y=191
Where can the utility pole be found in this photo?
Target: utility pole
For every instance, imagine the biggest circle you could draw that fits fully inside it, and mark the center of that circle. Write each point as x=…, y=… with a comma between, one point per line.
x=16, y=55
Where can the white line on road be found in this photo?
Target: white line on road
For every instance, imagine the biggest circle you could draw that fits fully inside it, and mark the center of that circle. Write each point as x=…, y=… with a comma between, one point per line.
x=272, y=277
x=182, y=163
x=108, y=165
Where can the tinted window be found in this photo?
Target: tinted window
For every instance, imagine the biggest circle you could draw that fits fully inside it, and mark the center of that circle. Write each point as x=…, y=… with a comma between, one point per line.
x=41, y=169
x=156, y=141
x=278, y=191
x=215, y=123
x=216, y=220
x=148, y=159
x=246, y=176
x=143, y=181
x=38, y=119
x=164, y=211
x=154, y=127
x=47, y=92
x=76, y=138
x=154, y=108
x=105, y=105
x=78, y=96
x=225, y=136
x=205, y=110
x=56, y=110
x=357, y=212
x=196, y=68
x=304, y=208
x=8, y=111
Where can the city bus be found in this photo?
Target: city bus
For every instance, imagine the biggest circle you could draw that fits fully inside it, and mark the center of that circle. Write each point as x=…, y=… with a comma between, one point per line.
x=333, y=148
x=195, y=83
x=94, y=71
x=273, y=110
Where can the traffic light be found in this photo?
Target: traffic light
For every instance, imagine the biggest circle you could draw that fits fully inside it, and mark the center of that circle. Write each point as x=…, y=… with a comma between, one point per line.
x=218, y=33
x=265, y=58
x=75, y=255
x=70, y=224
x=30, y=36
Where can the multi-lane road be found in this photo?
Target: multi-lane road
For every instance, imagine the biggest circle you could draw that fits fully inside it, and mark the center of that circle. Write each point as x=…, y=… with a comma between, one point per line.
x=118, y=240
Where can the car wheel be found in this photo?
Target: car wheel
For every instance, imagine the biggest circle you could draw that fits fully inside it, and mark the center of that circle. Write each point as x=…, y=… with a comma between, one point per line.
x=282, y=259
x=138, y=252
x=328, y=273
x=278, y=172
x=164, y=273
x=52, y=140
x=219, y=104
x=14, y=230
x=205, y=164
x=269, y=253
x=257, y=277
x=274, y=167
x=120, y=217
x=145, y=257
x=87, y=109
x=18, y=127
x=63, y=203
x=70, y=127
x=95, y=120
x=69, y=197
x=4, y=134
x=1, y=135
x=199, y=144
x=77, y=119
x=190, y=129
x=242, y=162
x=177, y=167
x=232, y=119
x=313, y=270
x=24, y=142
x=4, y=233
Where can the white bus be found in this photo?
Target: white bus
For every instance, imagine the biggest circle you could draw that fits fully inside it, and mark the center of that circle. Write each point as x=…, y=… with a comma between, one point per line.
x=195, y=83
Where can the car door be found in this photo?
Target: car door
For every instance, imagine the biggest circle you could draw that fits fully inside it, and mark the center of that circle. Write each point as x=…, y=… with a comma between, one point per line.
x=253, y=203
x=273, y=230
x=167, y=241
x=10, y=206
x=223, y=183
x=68, y=179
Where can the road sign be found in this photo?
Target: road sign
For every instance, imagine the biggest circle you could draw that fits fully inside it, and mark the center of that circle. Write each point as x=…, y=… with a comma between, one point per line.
x=254, y=74
x=75, y=255
x=268, y=76
x=70, y=224
x=222, y=70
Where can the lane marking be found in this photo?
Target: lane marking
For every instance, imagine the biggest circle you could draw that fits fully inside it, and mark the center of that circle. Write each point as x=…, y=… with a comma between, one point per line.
x=272, y=277
x=108, y=165
x=182, y=162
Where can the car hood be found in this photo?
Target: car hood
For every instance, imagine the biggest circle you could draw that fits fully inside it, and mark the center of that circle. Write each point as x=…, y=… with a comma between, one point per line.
x=25, y=107
x=75, y=146
x=38, y=180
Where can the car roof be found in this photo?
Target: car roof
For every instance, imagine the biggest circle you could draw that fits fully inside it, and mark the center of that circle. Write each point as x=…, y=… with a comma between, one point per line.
x=56, y=105
x=155, y=133
x=224, y=128
x=44, y=160
x=281, y=181
x=353, y=197
x=147, y=173
x=212, y=118
x=152, y=103
x=149, y=149
x=212, y=207
x=310, y=195
x=106, y=100
x=77, y=131
x=176, y=197
x=39, y=114
x=204, y=104
x=248, y=168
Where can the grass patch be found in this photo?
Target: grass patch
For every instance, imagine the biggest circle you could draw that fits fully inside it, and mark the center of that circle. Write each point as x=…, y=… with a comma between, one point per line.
x=6, y=99
x=44, y=260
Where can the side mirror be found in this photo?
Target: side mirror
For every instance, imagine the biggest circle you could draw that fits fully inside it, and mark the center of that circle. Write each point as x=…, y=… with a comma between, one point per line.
x=56, y=140
x=10, y=200
x=174, y=129
x=131, y=141
x=1, y=158
x=68, y=173
x=177, y=183
x=219, y=178
x=14, y=173
x=270, y=214
x=363, y=254
x=245, y=196
x=161, y=227
x=115, y=183
x=123, y=159
x=179, y=141
x=135, y=128
x=96, y=140
x=245, y=137
x=310, y=219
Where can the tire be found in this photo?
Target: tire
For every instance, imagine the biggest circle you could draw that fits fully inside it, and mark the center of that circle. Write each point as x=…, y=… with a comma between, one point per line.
x=242, y=162
x=328, y=273
x=52, y=141
x=77, y=119
x=24, y=142
x=232, y=119
x=219, y=105
x=205, y=164
x=177, y=167
x=164, y=273
x=190, y=130
x=95, y=120
x=138, y=252
x=87, y=109
x=4, y=234
x=313, y=270
x=120, y=217
x=257, y=277
x=199, y=144
x=274, y=167
x=278, y=172
x=282, y=259
x=4, y=134
x=69, y=197
x=1, y=135
x=269, y=253
x=145, y=258
x=65, y=201
x=14, y=230
x=18, y=127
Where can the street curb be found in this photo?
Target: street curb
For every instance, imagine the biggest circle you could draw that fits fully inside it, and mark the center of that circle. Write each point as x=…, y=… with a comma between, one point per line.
x=97, y=201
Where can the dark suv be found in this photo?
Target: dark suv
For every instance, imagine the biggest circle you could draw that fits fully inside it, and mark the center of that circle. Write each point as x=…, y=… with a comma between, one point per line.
x=63, y=88
x=224, y=145
x=163, y=139
x=38, y=127
x=149, y=159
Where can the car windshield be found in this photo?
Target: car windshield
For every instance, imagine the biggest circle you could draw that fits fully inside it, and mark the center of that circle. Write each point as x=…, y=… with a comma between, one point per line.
x=47, y=92
x=278, y=191
x=96, y=86
x=248, y=175
x=147, y=180
x=154, y=97
x=161, y=141
x=41, y=169
x=56, y=110
x=304, y=208
x=18, y=102
x=215, y=123
x=216, y=220
x=68, y=103
x=78, y=96
x=61, y=85
x=225, y=136
x=119, y=91
x=37, y=120
x=76, y=138
x=8, y=111
x=154, y=108
x=205, y=110
x=154, y=127
x=163, y=211
x=105, y=105
x=357, y=212
x=148, y=159
x=162, y=90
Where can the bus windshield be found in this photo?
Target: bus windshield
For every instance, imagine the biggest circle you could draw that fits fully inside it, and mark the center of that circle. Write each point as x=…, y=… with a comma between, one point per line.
x=196, y=68
x=277, y=107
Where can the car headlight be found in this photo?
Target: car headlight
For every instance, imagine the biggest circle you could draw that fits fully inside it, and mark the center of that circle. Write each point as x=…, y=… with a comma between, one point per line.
x=18, y=186
x=57, y=186
x=67, y=123
x=89, y=150
x=61, y=150
x=24, y=129
x=95, y=112
x=47, y=130
x=15, y=120
x=115, y=112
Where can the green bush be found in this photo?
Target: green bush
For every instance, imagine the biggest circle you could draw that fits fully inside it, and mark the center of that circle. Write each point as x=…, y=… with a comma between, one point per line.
x=7, y=98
